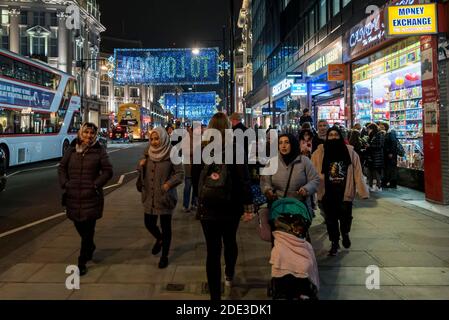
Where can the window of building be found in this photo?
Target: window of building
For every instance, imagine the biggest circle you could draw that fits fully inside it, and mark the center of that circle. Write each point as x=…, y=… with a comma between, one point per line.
x=335, y=7
x=104, y=91
x=346, y=2
x=24, y=17
x=5, y=42
x=323, y=13
x=311, y=23
x=53, y=19
x=53, y=47
x=134, y=92
x=119, y=92
x=24, y=45
x=38, y=45
x=5, y=16
x=39, y=18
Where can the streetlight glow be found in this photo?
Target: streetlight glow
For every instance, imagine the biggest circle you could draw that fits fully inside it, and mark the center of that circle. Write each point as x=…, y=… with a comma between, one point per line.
x=196, y=51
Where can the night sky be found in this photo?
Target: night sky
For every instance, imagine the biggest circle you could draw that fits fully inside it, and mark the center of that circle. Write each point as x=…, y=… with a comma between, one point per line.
x=167, y=23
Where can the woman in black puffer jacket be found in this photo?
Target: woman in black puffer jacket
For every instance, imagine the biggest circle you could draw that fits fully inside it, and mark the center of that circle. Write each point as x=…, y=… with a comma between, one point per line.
x=83, y=171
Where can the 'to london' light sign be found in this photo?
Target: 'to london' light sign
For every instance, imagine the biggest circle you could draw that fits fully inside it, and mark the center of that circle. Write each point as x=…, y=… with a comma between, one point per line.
x=166, y=66
x=412, y=20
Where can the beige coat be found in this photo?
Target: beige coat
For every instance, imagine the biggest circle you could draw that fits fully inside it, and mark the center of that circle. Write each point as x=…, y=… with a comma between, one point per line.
x=354, y=180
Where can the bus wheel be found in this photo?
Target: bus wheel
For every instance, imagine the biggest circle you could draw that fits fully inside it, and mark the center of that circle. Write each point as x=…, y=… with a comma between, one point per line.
x=65, y=146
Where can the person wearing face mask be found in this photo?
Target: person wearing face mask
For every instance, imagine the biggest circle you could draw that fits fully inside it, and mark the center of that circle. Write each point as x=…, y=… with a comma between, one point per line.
x=340, y=178
x=83, y=171
x=159, y=179
x=304, y=179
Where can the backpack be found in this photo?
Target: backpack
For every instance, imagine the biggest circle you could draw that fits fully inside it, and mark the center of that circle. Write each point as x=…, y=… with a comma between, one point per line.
x=214, y=190
x=400, y=148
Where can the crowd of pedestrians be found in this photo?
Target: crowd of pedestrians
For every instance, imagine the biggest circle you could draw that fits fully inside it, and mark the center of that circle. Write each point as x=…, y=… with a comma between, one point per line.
x=317, y=170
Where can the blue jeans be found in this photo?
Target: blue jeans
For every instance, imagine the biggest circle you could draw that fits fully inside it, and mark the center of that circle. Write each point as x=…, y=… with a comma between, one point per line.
x=187, y=192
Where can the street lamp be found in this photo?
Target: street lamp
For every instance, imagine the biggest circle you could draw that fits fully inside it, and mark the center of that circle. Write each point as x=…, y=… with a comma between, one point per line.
x=196, y=51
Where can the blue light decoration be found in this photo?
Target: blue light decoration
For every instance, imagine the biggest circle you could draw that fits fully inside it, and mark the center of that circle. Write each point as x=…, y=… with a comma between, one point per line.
x=198, y=106
x=166, y=66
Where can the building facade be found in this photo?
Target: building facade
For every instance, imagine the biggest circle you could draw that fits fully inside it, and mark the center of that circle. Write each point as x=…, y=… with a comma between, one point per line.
x=349, y=71
x=38, y=29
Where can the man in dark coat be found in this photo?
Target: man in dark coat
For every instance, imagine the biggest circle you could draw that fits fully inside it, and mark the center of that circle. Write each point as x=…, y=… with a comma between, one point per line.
x=305, y=117
x=83, y=171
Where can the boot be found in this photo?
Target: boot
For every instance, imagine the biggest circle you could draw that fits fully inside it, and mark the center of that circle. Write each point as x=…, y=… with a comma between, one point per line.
x=157, y=247
x=334, y=248
x=346, y=241
x=163, y=262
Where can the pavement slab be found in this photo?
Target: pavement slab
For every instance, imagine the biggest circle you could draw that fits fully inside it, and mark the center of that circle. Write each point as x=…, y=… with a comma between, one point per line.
x=20, y=272
x=412, y=276
x=31, y=291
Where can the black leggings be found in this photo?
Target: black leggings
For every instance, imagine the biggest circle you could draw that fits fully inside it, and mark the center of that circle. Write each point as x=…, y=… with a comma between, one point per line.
x=86, y=230
x=215, y=231
x=165, y=236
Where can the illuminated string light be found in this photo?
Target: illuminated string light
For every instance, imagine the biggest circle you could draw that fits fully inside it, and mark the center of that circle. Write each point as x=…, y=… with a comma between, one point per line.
x=166, y=66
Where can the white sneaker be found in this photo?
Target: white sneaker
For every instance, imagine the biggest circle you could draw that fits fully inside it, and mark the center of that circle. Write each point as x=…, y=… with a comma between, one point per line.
x=372, y=189
x=228, y=287
x=379, y=189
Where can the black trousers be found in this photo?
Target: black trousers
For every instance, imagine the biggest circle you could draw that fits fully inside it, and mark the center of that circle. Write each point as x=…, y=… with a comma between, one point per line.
x=217, y=232
x=165, y=235
x=390, y=175
x=86, y=230
x=338, y=218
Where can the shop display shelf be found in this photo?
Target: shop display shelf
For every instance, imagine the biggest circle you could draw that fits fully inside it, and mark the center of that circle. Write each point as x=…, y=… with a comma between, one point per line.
x=405, y=109
x=405, y=99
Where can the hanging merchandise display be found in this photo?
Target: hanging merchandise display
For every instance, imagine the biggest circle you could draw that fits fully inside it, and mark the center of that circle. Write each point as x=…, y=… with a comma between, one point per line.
x=387, y=87
x=333, y=111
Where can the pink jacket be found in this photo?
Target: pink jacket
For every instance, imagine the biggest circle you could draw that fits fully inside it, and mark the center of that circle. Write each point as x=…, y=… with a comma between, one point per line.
x=354, y=180
x=295, y=256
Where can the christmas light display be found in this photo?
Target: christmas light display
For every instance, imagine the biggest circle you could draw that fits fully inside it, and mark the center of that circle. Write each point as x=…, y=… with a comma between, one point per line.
x=198, y=106
x=166, y=66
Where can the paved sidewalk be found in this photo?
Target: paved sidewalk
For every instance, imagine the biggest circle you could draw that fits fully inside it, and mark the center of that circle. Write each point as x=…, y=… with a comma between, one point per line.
x=409, y=244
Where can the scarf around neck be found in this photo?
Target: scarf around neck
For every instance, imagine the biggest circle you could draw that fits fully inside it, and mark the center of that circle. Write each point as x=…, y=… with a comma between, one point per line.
x=160, y=153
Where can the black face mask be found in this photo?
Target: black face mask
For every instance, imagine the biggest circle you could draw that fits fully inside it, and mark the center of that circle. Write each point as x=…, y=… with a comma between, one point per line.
x=335, y=150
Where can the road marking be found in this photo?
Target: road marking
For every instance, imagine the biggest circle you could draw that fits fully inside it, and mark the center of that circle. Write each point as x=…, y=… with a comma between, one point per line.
x=7, y=233
x=33, y=169
x=120, y=180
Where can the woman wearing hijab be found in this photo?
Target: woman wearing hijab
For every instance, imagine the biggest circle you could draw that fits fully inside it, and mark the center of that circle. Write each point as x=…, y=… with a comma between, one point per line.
x=341, y=176
x=83, y=171
x=160, y=177
x=304, y=179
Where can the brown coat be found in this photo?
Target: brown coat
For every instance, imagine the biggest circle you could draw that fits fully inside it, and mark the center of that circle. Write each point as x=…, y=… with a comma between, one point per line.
x=82, y=177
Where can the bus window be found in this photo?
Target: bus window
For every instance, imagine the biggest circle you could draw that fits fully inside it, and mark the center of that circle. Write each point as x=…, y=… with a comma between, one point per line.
x=6, y=66
x=75, y=124
x=21, y=71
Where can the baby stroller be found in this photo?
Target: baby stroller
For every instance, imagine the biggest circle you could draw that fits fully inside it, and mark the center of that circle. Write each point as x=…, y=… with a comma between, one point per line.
x=294, y=271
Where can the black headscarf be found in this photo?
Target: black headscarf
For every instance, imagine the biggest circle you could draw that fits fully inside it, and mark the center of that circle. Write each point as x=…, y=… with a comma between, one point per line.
x=294, y=152
x=335, y=150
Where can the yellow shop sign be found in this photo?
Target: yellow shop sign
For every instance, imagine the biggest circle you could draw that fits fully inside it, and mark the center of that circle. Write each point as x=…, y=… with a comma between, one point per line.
x=412, y=20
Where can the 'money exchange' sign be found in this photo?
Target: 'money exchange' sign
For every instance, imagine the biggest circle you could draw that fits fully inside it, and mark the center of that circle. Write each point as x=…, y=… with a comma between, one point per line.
x=412, y=20
x=166, y=66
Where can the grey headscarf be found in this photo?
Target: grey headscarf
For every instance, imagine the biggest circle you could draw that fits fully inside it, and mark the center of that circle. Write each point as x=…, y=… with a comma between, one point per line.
x=160, y=153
